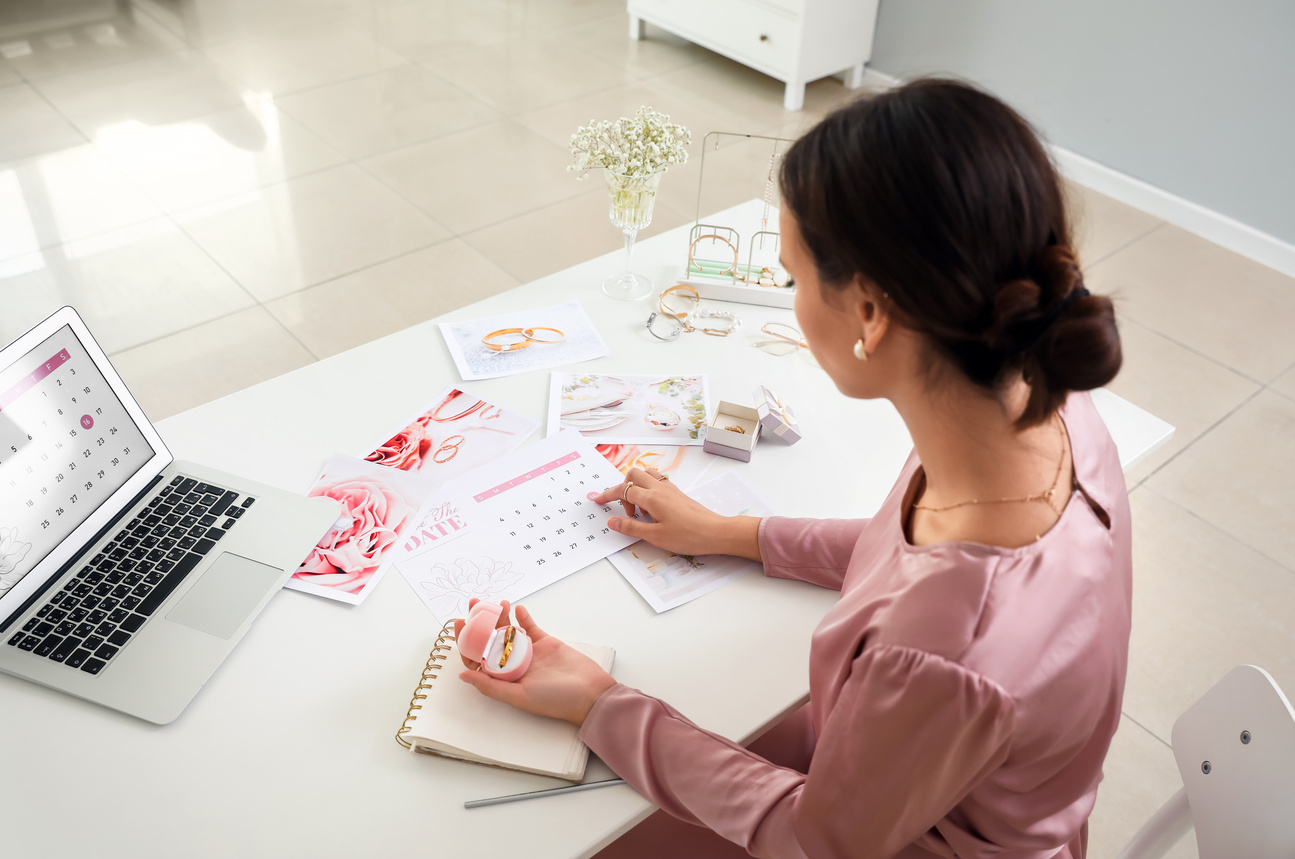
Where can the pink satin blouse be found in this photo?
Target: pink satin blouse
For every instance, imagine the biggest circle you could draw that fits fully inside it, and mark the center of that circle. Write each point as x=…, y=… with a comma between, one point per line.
x=962, y=696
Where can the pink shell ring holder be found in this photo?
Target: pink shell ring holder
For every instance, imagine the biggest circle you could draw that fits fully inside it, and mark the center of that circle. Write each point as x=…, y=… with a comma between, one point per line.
x=503, y=652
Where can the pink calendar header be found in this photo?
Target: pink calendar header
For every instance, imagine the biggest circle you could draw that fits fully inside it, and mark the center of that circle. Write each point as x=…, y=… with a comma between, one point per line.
x=26, y=383
x=530, y=475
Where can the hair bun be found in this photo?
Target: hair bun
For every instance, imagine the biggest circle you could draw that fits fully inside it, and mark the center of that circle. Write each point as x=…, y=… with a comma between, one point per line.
x=1062, y=337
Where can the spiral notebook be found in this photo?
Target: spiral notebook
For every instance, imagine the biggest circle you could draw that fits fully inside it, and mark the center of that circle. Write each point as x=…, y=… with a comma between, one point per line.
x=448, y=717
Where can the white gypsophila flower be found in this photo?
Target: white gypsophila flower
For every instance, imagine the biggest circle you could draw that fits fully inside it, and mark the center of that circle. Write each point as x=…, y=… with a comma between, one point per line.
x=640, y=145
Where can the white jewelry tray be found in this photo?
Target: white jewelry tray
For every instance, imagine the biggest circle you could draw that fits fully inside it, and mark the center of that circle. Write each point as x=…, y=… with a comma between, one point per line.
x=767, y=296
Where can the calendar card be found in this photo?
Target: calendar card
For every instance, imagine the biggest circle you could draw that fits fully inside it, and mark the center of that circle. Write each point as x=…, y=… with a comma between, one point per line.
x=457, y=432
x=629, y=409
x=667, y=580
x=378, y=506
x=522, y=341
x=509, y=528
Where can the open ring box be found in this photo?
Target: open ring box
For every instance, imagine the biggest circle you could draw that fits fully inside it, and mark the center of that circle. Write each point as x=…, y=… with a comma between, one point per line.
x=726, y=442
x=483, y=642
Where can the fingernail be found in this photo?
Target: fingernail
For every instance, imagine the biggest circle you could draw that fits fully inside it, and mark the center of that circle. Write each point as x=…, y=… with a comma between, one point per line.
x=592, y=496
x=614, y=524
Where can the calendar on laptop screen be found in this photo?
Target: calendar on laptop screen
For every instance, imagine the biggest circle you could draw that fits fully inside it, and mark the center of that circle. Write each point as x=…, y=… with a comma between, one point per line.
x=66, y=445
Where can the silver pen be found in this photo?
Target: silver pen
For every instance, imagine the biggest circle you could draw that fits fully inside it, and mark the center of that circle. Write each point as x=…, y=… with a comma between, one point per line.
x=517, y=797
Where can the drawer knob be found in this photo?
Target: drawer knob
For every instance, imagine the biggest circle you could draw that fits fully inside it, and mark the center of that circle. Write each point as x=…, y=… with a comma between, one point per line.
x=764, y=37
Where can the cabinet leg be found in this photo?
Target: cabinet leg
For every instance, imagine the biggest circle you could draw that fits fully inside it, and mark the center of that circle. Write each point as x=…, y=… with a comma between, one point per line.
x=793, y=98
x=854, y=77
x=636, y=28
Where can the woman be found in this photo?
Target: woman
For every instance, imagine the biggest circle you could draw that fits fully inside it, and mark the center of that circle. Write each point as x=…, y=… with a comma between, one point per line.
x=965, y=688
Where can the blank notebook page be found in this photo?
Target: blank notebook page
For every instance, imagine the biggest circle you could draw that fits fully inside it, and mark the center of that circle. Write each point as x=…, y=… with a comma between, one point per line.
x=457, y=716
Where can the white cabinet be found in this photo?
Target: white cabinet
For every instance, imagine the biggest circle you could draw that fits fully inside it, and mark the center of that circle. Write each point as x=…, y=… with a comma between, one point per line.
x=795, y=41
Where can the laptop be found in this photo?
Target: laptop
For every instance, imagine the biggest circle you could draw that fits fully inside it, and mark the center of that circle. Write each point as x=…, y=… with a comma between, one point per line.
x=126, y=577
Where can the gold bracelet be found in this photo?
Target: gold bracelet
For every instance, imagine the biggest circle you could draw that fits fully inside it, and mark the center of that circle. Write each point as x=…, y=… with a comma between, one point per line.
x=681, y=290
x=512, y=346
x=692, y=263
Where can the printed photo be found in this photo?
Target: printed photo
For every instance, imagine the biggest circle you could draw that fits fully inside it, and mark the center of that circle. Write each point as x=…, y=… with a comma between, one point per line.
x=523, y=341
x=457, y=432
x=684, y=465
x=378, y=505
x=667, y=580
x=629, y=409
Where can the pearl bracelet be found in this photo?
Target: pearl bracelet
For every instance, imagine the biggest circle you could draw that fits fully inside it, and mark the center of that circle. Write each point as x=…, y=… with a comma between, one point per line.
x=693, y=320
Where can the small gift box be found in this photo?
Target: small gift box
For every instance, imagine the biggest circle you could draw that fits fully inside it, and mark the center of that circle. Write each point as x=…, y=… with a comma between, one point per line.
x=733, y=431
x=776, y=416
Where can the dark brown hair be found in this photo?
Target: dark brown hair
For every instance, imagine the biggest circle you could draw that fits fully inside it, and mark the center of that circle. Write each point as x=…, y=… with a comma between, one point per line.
x=944, y=198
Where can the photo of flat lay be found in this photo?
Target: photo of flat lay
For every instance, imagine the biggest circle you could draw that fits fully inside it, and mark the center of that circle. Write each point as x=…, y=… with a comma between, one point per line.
x=626, y=428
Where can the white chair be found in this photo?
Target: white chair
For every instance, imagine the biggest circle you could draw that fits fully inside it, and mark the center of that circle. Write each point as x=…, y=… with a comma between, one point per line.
x=1235, y=749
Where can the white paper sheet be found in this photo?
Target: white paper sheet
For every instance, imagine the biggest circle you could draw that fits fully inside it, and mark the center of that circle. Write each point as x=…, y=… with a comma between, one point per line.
x=379, y=506
x=509, y=528
x=667, y=580
x=580, y=341
x=625, y=408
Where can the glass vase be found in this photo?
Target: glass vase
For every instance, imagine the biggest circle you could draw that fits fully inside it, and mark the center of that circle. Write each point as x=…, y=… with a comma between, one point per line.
x=630, y=210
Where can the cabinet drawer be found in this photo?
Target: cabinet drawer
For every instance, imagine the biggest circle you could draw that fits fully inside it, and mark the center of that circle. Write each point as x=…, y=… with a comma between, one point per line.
x=757, y=35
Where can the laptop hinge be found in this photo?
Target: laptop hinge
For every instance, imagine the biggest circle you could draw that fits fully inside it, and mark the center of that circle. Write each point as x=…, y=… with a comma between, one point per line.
x=72, y=562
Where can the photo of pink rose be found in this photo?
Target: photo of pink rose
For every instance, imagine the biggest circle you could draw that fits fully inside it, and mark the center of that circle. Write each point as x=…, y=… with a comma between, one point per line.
x=405, y=450
x=455, y=433
x=377, y=506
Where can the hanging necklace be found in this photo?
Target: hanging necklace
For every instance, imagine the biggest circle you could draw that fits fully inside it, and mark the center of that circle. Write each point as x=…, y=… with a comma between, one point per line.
x=1044, y=497
x=768, y=193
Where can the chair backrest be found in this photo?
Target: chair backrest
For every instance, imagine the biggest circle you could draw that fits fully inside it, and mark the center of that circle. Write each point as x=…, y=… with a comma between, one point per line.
x=1235, y=749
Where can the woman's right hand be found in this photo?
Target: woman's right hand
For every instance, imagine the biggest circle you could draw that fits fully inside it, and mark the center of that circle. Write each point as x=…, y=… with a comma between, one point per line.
x=680, y=524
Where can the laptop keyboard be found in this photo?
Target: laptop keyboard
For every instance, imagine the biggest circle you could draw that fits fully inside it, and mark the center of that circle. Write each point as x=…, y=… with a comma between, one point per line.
x=98, y=610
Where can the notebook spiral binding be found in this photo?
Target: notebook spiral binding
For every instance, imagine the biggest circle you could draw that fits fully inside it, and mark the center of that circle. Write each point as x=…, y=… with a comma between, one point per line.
x=434, y=663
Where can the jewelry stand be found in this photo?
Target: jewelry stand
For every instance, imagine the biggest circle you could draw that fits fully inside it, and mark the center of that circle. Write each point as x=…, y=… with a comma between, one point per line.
x=714, y=264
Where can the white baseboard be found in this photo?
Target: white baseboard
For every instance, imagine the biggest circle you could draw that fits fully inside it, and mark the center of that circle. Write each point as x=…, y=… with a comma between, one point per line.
x=1208, y=224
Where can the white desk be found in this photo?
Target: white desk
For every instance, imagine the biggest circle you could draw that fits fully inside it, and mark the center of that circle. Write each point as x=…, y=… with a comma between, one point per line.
x=289, y=750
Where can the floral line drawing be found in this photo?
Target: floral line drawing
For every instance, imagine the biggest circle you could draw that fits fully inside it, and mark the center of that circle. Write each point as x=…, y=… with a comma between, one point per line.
x=12, y=551
x=450, y=586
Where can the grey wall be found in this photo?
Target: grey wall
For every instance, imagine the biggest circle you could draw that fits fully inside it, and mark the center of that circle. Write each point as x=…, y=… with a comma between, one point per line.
x=1192, y=96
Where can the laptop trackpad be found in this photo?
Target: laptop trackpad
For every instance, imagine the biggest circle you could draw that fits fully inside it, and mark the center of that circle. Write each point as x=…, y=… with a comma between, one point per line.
x=225, y=595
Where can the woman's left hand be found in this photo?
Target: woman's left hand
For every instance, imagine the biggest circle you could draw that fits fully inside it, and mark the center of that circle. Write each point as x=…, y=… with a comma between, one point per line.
x=561, y=683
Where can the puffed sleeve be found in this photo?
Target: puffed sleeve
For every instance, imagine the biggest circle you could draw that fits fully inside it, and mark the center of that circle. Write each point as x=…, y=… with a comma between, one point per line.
x=809, y=550
x=908, y=738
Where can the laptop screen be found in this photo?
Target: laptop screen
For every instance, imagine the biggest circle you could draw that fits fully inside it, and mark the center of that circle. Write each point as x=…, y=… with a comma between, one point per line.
x=66, y=445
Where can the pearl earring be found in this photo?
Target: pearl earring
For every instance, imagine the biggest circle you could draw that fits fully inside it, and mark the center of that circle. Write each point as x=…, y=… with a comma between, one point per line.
x=860, y=352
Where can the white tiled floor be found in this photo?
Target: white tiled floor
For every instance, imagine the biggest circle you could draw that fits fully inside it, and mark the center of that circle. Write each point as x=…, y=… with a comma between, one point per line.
x=229, y=189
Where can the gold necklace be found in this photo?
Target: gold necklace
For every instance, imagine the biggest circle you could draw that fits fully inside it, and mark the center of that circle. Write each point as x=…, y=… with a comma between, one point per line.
x=1045, y=496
